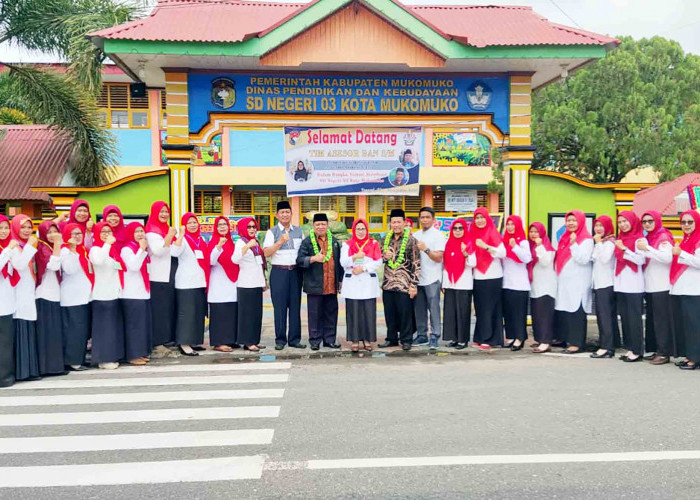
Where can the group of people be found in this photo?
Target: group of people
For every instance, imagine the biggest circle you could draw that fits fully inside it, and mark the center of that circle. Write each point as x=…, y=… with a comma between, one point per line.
x=134, y=292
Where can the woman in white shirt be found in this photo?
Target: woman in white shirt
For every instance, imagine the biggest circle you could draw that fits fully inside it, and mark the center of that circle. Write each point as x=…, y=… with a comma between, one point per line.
x=26, y=357
x=685, y=290
x=77, y=281
x=250, y=285
x=222, y=296
x=572, y=263
x=459, y=259
x=516, y=284
x=488, y=280
x=629, y=284
x=8, y=279
x=136, y=294
x=49, y=332
x=107, y=318
x=162, y=275
x=191, y=281
x=360, y=257
x=543, y=291
x=603, y=291
x=658, y=250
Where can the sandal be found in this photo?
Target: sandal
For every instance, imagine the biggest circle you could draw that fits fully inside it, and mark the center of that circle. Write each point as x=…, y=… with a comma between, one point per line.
x=252, y=348
x=137, y=362
x=355, y=347
x=223, y=348
x=367, y=346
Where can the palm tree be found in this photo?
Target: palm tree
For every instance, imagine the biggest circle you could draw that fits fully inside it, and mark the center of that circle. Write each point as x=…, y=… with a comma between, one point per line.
x=66, y=101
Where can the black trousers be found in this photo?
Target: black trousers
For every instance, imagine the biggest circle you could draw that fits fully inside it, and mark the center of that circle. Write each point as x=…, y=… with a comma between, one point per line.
x=572, y=327
x=542, y=311
x=489, y=312
x=659, y=335
x=456, y=316
x=323, y=318
x=285, y=289
x=7, y=351
x=515, y=313
x=398, y=314
x=49, y=337
x=629, y=305
x=606, y=317
x=250, y=313
x=163, y=313
x=687, y=320
x=76, y=325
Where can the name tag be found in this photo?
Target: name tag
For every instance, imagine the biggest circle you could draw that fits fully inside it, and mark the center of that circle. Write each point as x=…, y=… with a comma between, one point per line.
x=198, y=254
x=116, y=265
x=359, y=262
x=258, y=260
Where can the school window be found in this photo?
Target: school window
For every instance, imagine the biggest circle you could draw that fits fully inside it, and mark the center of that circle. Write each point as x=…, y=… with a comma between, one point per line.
x=344, y=206
x=379, y=207
x=119, y=110
x=207, y=202
x=261, y=204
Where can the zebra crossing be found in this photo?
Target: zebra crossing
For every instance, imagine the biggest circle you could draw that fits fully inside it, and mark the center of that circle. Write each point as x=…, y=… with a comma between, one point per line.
x=49, y=428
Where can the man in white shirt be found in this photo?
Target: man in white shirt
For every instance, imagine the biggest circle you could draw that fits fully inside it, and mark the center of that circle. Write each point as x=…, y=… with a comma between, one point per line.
x=431, y=243
x=281, y=246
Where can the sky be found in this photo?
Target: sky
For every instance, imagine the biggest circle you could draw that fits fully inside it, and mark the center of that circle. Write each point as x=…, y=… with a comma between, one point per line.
x=675, y=19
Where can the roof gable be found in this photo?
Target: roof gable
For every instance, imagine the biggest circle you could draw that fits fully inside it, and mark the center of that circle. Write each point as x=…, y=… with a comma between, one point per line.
x=662, y=197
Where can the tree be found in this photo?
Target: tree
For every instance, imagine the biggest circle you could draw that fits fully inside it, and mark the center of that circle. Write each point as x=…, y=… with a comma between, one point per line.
x=66, y=101
x=636, y=107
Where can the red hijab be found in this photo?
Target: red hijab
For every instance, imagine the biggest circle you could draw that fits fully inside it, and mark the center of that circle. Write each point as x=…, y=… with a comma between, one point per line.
x=453, y=258
x=607, y=223
x=44, y=251
x=15, y=226
x=134, y=246
x=629, y=239
x=689, y=244
x=196, y=242
x=545, y=243
x=519, y=236
x=154, y=225
x=14, y=277
x=660, y=234
x=368, y=245
x=243, y=224
x=488, y=234
x=114, y=249
x=79, y=249
x=119, y=231
x=71, y=217
x=227, y=249
x=563, y=254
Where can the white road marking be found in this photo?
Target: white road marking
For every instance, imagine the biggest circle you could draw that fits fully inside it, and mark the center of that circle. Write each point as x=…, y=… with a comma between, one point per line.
x=65, y=444
x=140, y=397
x=125, y=369
x=83, y=383
x=176, y=471
x=125, y=416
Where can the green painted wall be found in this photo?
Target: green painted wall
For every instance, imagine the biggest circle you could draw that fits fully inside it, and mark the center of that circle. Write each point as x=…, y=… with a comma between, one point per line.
x=134, y=197
x=550, y=194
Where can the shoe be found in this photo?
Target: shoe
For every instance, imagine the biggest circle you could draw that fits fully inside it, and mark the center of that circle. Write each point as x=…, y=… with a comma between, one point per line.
x=406, y=347
x=77, y=368
x=182, y=351
x=681, y=362
x=606, y=354
x=650, y=356
x=512, y=343
x=332, y=346
x=483, y=347
x=388, y=343
x=688, y=366
x=660, y=360
x=452, y=344
x=461, y=346
x=198, y=348
x=514, y=347
x=235, y=346
x=279, y=347
x=315, y=347
x=108, y=366
x=537, y=350
x=558, y=343
x=433, y=344
x=420, y=341
x=567, y=351
x=630, y=360
x=298, y=346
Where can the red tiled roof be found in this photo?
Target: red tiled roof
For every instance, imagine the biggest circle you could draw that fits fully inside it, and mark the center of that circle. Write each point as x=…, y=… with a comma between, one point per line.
x=662, y=197
x=107, y=69
x=238, y=20
x=31, y=155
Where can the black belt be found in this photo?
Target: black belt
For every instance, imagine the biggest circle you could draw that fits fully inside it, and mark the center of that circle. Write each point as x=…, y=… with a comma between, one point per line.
x=287, y=268
x=373, y=275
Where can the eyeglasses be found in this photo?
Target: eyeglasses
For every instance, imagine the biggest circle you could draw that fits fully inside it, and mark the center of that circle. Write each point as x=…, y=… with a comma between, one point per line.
x=687, y=222
x=648, y=221
x=252, y=226
x=458, y=228
x=76, y=233
x=106, y=231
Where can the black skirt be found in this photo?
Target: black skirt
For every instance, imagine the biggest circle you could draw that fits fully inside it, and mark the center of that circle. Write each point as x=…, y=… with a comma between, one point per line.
x=7, y=351
x=137, y=327
x=26, y=357
x=456, y=315
x=361, y=320
x=163, y=308
x=107, y=332
x=686, y=309
x=572, y=327
x=75, y=321
x=223, y=323
x=250, y=319
x=191, y=311
x=542, y=310
x=489, y=314
x=49, y=337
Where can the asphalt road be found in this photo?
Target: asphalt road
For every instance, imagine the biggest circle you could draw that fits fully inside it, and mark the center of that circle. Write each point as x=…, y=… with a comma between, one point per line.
x=479, y=426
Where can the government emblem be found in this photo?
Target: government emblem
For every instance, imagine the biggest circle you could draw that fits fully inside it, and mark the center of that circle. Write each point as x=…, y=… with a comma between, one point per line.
x=223, y=95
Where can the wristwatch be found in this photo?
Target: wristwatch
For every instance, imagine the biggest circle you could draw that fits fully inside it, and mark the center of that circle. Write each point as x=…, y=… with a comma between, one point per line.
x=427, y=251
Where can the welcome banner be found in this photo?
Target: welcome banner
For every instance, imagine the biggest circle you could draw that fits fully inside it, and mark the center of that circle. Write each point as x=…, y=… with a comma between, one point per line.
x=352, y=161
